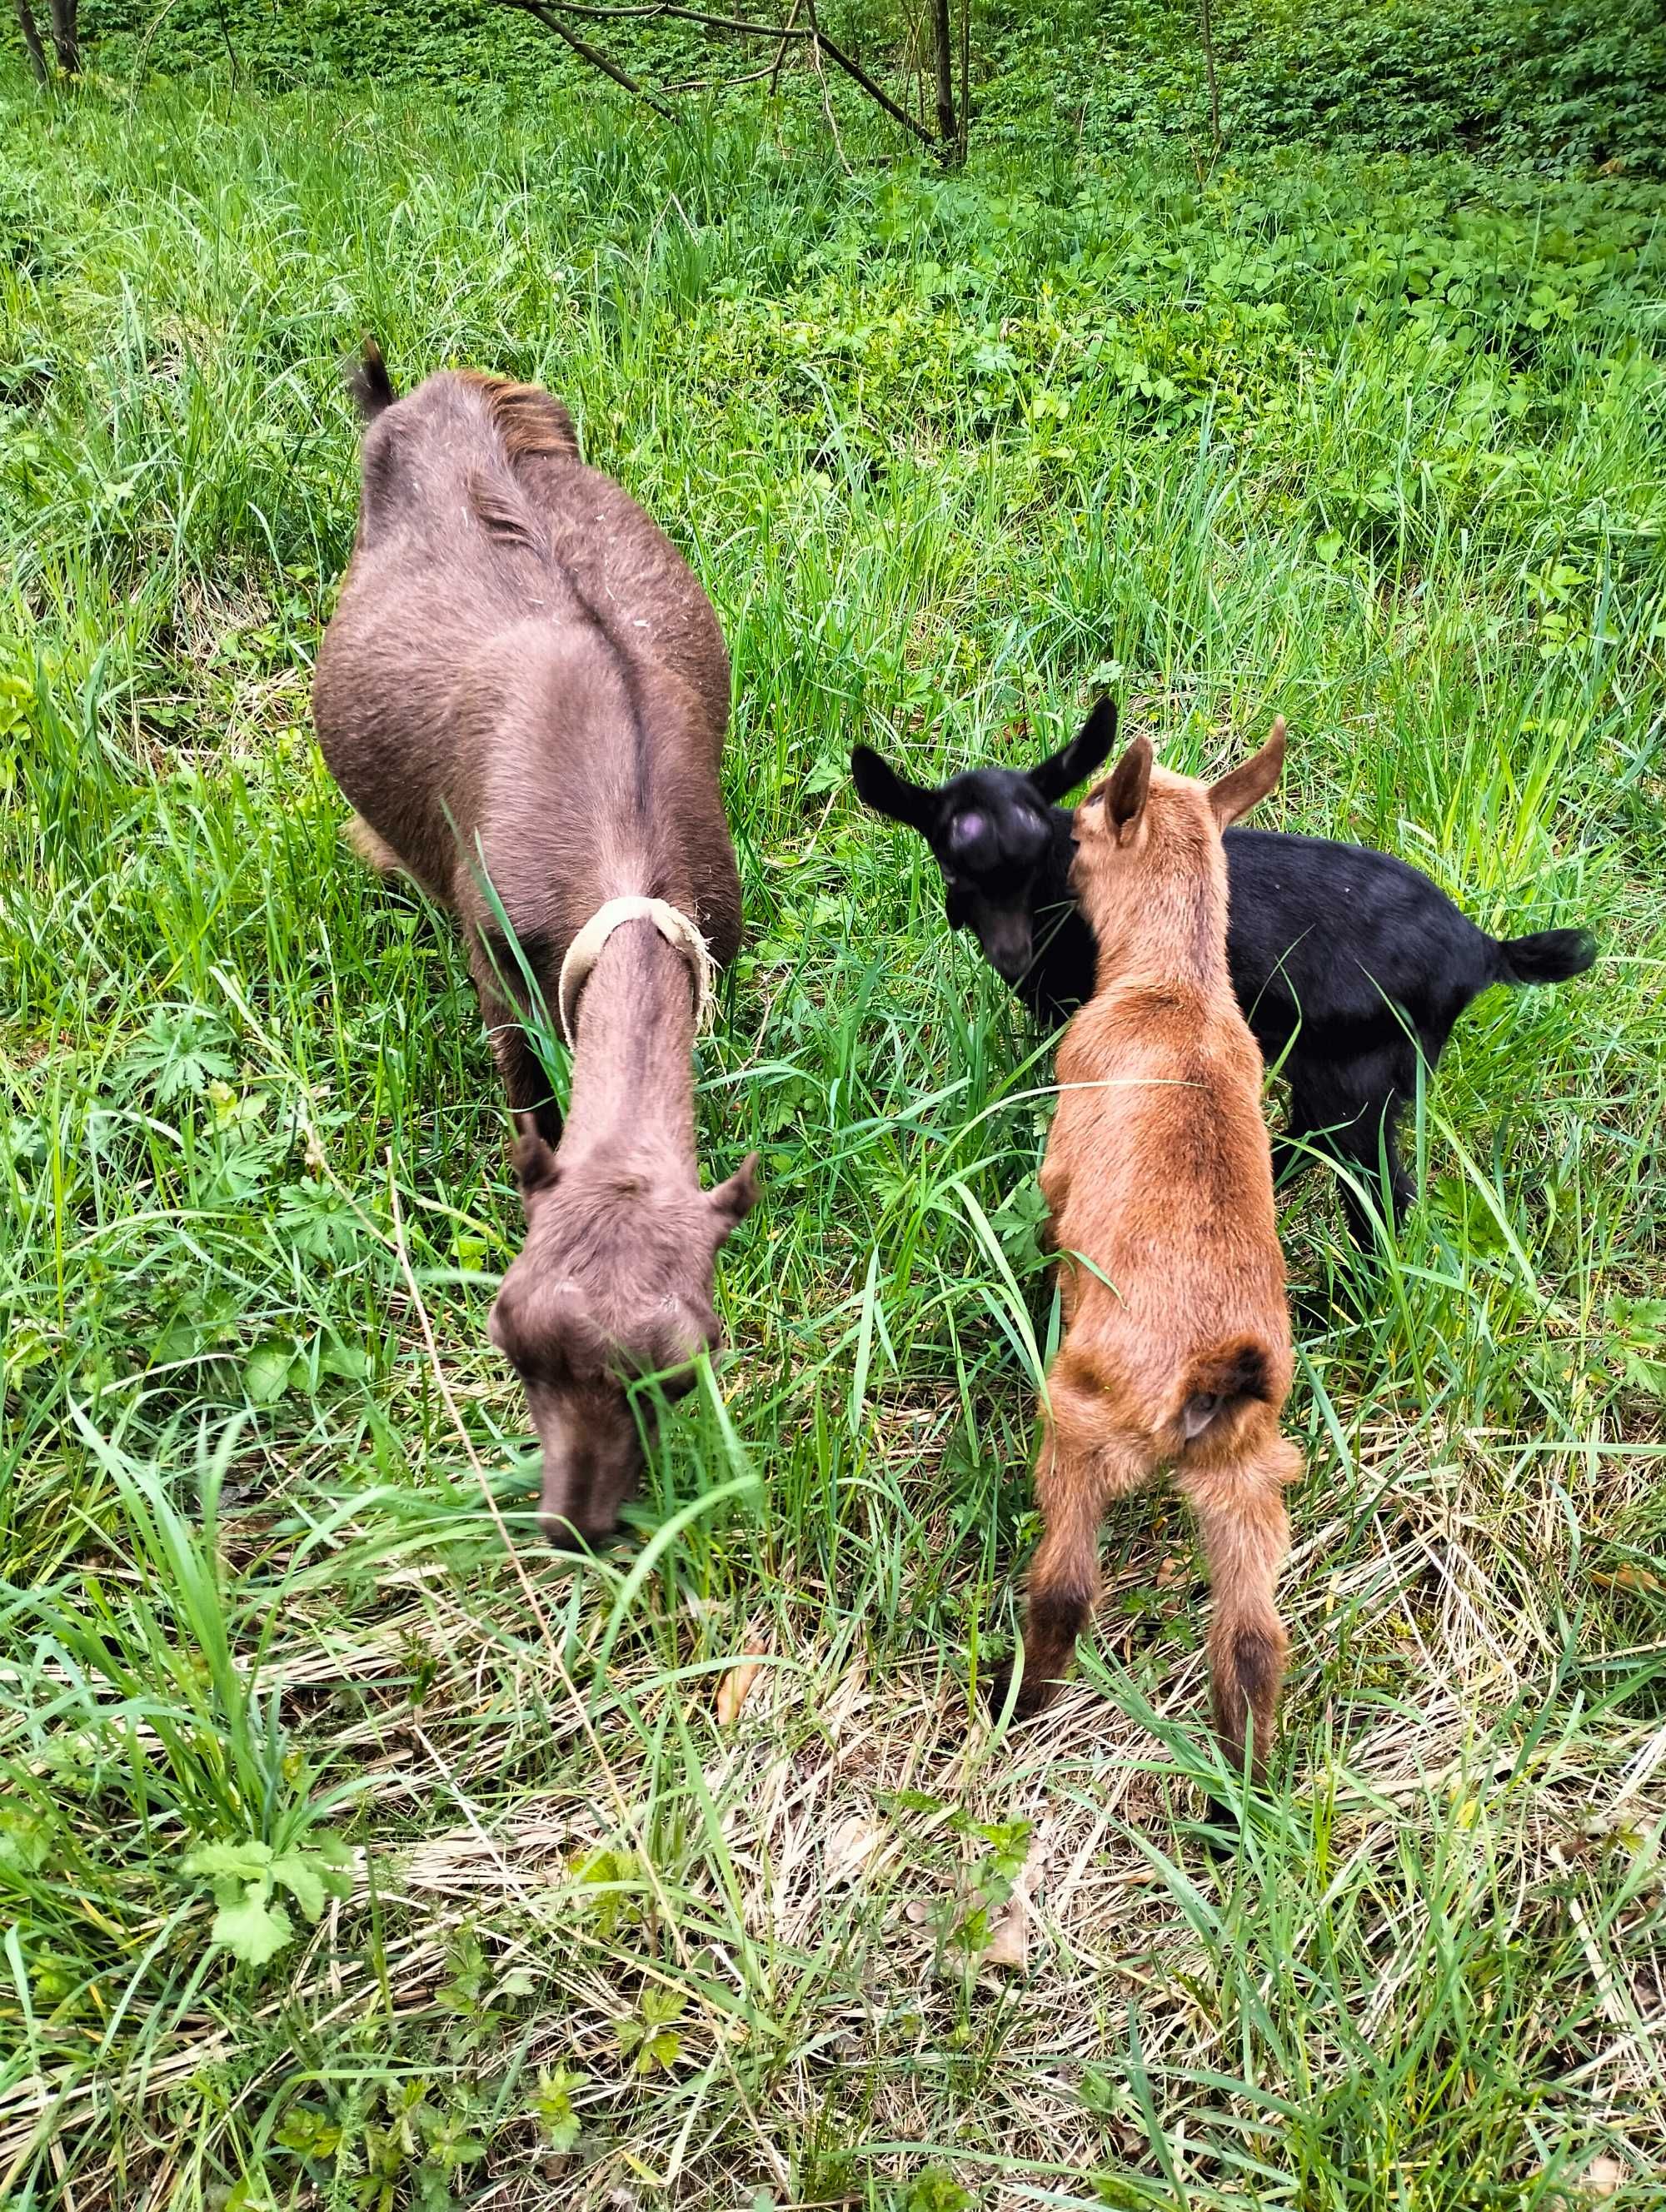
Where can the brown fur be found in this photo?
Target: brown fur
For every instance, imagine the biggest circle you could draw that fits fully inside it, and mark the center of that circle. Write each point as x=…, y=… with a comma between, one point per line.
x=523, y=686
x=1159, y=1174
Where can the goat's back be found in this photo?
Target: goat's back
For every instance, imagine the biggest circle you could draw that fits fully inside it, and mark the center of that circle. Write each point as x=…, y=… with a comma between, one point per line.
x=1158, y=1173
x=520, y=655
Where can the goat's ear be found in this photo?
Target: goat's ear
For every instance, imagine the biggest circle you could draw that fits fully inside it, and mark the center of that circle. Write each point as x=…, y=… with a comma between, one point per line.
x=1073, y=764
x=534, y=1164
x=878, y=785
x=731, y=1201
x=1116, y=806
x=1246, y=786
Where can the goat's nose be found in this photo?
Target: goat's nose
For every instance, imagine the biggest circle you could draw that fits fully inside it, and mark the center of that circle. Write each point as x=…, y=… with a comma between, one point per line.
x=565, y=1534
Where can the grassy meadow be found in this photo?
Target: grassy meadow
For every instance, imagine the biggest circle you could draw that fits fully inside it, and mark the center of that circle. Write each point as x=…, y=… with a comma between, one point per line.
x=354, y=1850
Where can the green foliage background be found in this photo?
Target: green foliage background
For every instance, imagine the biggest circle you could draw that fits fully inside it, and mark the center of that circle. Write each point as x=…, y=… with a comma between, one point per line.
x=1556, y=83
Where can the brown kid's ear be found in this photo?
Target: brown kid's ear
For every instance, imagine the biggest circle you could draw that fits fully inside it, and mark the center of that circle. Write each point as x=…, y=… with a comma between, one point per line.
x=1121, y=797
x=731, y=1201
x=1246, y=786
x=533, y=1162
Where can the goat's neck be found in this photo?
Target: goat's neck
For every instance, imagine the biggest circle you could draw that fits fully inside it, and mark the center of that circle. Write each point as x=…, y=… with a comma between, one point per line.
x=633, y=1069
x=1172, y=936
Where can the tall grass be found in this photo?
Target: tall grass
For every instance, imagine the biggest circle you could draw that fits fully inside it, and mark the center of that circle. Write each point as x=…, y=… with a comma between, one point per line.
x=1380, y=448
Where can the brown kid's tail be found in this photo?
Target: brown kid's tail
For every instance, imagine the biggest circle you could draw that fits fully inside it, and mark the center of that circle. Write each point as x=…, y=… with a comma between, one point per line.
x=368, y=381
x=1216, y=1382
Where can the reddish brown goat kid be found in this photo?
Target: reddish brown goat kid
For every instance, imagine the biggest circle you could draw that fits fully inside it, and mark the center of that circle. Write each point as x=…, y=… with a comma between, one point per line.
x=524, y=691
x=1158, y=1180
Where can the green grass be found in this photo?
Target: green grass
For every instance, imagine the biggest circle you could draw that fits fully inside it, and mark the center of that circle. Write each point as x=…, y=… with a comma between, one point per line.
x=1381, y=448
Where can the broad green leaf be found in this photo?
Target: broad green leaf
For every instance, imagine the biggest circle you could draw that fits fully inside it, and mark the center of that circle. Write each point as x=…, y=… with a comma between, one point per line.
x=254, y=1930
x=302, y=1877
x=242, y=1859
x=268, y=1369
x=25, y=1838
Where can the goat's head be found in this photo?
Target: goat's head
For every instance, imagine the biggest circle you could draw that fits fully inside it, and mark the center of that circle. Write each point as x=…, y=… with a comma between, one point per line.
x=1143, y=827
x=614, y=1284
x=991, y=833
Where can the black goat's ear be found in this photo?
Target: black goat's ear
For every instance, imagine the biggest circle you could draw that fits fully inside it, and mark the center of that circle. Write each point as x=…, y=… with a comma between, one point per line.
x=535, y=1165
x=1073, y=764
x=731, y=1201
x=879, y=785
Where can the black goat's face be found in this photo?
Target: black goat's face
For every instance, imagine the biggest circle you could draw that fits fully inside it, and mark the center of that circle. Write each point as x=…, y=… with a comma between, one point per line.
x=991, y=832
x=991, y=839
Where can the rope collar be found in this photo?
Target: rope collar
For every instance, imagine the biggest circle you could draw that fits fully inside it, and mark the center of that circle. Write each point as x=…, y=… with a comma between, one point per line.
x=672, y=924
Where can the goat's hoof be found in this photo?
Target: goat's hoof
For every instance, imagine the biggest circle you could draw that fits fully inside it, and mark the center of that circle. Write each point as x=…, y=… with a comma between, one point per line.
x=1034, y=1696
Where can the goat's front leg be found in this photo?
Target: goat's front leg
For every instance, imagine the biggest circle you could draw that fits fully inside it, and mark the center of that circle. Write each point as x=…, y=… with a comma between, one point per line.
x=1240, y=1509
x=526, y=1084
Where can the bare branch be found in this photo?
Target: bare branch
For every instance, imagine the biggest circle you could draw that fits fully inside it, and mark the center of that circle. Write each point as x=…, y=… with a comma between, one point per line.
x=550, y=13
x=593, y=55
x=781, y=51
x=855, y=70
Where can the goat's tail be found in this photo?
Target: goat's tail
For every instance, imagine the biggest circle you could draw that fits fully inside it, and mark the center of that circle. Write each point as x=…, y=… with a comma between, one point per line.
x=1548, y=956
x=1215, y=1383
x=368, y=381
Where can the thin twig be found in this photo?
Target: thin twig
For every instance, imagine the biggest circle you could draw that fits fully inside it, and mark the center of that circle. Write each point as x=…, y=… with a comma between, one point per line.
x=787, y=29
x=965, y=77
x=1207, y=17
x=827, y=104
x=714, y=83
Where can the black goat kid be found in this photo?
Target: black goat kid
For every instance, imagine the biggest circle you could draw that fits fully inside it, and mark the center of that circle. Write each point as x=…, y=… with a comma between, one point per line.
x=1348, y=963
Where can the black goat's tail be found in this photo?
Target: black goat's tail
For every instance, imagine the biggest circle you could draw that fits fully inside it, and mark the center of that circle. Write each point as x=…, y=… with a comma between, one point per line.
x=1549, y=955
x=368, y=381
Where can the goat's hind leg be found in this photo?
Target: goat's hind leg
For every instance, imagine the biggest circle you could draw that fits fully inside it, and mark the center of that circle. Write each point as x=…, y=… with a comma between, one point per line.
x=1074, y=1486
x=1240, y=1509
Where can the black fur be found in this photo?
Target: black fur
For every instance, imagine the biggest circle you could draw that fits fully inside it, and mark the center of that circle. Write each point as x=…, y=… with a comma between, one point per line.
x=1347, y=963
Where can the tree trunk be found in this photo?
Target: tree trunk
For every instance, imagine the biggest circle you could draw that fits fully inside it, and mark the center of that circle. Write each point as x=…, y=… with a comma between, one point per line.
x=64, y=36
x=31, y=37
x=966, y=76
x=943, y=39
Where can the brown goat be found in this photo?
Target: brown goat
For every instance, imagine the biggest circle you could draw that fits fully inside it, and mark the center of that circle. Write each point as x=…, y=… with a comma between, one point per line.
x=524, y=691
x=1158, y=1180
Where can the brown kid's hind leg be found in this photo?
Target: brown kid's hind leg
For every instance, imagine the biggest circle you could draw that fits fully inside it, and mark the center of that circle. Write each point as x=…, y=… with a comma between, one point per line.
x=1240, y=1504
x=1074, y=1486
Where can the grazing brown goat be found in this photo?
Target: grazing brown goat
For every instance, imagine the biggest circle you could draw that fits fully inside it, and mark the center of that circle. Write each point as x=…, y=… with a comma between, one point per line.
x=1158, y=1180
x=524, y=692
